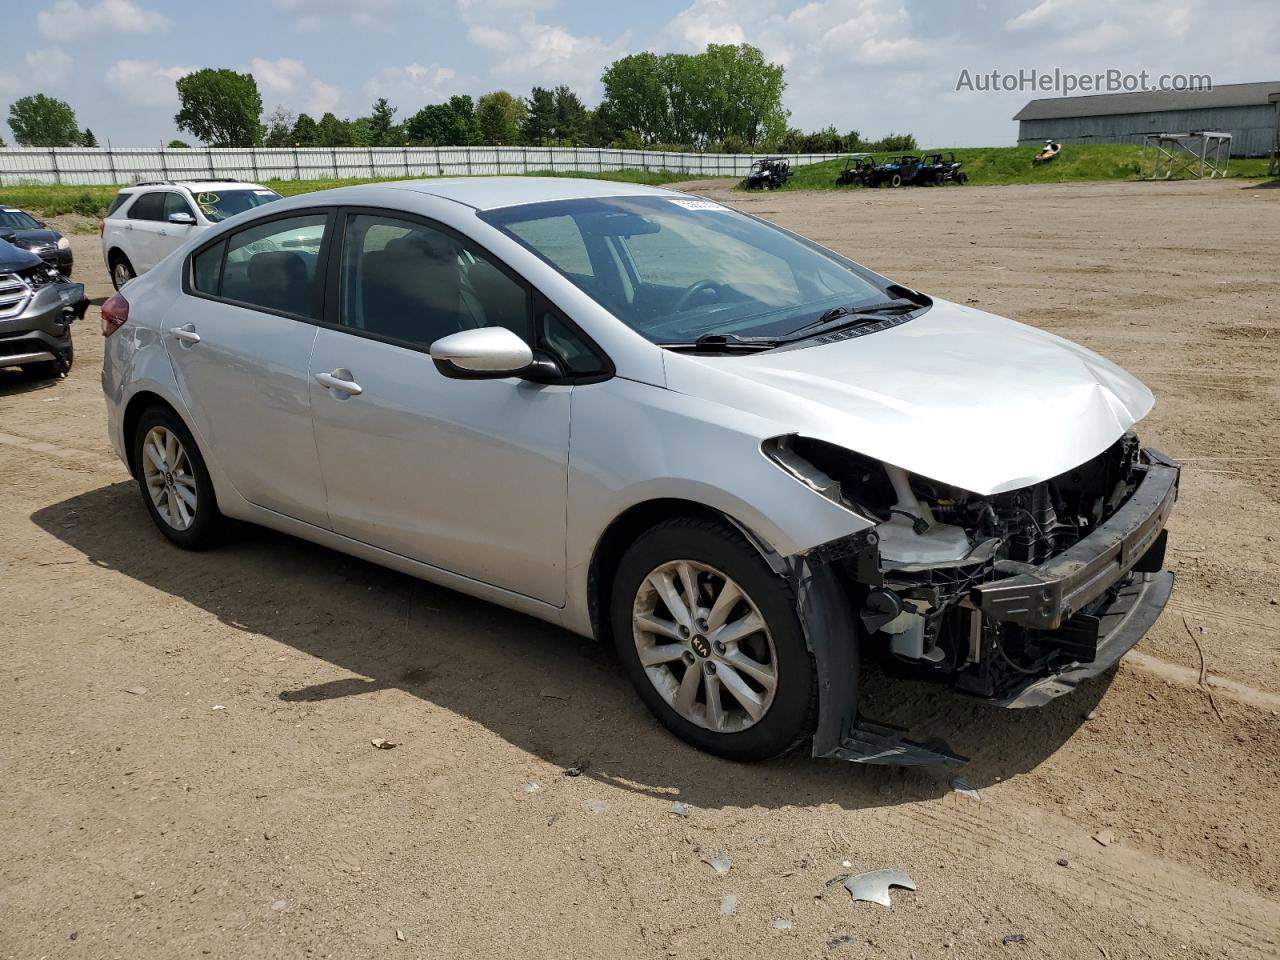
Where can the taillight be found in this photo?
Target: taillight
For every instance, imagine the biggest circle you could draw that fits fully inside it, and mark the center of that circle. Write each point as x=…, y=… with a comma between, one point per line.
x=115, y=313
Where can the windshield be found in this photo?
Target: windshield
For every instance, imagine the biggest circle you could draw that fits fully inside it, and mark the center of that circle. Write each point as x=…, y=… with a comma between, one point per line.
x=220, y=204
x=17, y=220
x=678, y=268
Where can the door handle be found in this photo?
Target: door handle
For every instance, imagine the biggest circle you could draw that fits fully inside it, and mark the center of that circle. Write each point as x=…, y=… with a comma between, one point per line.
x=341, y=381
x=186, y=333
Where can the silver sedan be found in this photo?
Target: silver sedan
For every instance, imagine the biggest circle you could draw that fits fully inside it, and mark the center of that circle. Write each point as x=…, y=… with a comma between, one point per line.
x=743, y=459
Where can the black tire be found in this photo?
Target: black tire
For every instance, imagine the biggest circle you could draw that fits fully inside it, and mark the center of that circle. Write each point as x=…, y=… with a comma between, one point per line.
x=206, y=526
x=790, y=718
x=895, y=180
x=121, y=270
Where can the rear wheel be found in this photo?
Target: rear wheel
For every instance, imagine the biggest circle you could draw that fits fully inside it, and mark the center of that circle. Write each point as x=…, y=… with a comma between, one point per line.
x=895, y=180
x=710, y=639
x=174, y=481
x=121, y=270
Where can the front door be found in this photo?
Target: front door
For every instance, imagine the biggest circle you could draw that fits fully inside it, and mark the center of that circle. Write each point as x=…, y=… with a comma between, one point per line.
x=465, y=475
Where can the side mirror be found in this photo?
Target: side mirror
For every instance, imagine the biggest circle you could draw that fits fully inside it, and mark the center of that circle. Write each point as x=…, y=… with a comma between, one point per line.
x=485, y=353
x=182, y=218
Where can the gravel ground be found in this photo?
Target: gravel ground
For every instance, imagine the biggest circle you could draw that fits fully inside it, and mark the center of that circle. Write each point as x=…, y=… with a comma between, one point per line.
x=186, y=767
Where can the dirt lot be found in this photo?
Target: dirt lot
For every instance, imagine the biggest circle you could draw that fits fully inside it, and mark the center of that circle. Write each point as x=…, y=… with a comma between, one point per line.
x=186, y=767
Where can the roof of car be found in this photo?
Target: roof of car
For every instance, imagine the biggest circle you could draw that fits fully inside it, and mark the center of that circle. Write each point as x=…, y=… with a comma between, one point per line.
x=194, y=183
x=488, y=193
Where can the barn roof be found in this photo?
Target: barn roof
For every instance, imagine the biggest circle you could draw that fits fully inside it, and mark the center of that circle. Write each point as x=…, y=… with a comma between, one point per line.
x=1104, y=104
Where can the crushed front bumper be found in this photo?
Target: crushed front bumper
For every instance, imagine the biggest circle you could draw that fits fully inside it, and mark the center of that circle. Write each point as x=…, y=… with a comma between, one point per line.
x=1099, y=597
x=1046, y=596
x=41, y=330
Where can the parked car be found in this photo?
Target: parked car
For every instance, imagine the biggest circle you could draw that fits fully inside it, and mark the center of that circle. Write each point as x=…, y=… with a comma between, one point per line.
x=858, y=170
x=768, y=174
x=149, y=220
x=37, y=307
x=27, y=233
x=780, y=459
x=936, y=170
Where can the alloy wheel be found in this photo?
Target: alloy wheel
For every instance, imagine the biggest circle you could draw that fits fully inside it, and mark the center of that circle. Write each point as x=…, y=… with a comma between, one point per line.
x=705, y=646
x=171, y=484
x=122, y=274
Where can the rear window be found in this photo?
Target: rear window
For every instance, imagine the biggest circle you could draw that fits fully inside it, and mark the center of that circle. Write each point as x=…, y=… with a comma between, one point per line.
x=217, y=205
x=17, y=220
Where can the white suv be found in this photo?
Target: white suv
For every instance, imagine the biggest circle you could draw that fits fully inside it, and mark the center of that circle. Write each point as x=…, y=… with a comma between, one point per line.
x=148, y=220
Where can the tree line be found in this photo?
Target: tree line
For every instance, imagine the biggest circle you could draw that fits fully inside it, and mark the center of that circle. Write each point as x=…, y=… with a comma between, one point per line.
x=726, y=99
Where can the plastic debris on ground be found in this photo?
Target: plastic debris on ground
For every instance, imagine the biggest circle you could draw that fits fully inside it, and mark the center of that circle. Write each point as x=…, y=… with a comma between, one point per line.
x=965, y=788
x=597, y=806
x=720, y=863
x=680, y=809
x=873, y=886
x=381, y=743
x=728, y=905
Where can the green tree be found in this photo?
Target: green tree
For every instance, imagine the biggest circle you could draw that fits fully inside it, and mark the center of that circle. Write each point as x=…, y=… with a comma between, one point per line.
x=571, y=116
x=40, y=121
x=279, y=128
x=636, y=98
x=87, y=139
x=220, y=107
x=178, y=145
x=499, y=117
x=332, y=132
x=540, y=121
x=304, y=131
x=451, y=124
x=382, y=129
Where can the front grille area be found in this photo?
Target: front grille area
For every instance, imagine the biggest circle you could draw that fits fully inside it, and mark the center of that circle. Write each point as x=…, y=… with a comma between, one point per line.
x=16, y=348
x=14, y=294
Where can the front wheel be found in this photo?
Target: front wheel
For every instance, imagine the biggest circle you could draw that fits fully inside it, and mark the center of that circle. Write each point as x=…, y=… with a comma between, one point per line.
x=711, y=641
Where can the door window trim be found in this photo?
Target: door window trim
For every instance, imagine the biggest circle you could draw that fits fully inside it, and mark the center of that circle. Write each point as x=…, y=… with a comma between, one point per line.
x=226, y=236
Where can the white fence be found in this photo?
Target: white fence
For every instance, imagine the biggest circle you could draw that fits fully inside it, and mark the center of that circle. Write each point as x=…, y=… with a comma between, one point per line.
x=79, y=165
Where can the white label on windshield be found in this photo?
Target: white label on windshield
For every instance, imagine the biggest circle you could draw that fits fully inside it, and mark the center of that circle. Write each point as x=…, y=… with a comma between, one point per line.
x=699, y=204
x=10, y=209
x=265, y=193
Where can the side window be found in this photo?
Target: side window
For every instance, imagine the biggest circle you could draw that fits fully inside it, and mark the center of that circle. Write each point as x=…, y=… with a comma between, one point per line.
x=148, y=206
x=276, y=265
x=118, y=202
x=206, y=269
x=416, y=284
x=176, y=203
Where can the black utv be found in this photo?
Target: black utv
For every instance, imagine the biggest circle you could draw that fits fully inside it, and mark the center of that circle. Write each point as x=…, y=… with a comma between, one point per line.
x=858, y=171
x=768, y=174
x=937, y=170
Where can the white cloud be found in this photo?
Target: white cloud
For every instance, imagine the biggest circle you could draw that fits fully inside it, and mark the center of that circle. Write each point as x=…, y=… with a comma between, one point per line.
x=710, y=21
x=529, y=52
x=68, y=19
x=1085, y=27
x=146, y=83
x=45, y=68
x=288, y=80
x=412, y=86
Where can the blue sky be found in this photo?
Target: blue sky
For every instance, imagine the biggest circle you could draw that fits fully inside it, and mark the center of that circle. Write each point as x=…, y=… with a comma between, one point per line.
x=872, y=65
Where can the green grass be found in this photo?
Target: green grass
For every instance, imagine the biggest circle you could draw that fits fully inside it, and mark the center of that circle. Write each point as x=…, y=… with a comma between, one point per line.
x=1008, y=165
x=53, y=201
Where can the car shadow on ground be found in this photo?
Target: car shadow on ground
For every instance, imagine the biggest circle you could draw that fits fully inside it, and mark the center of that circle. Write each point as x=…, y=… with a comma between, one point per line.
x=553, y=694
x=15, y=381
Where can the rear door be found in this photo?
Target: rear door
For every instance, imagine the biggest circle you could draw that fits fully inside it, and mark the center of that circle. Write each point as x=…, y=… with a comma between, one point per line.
x=240, y=339
x=145, y=223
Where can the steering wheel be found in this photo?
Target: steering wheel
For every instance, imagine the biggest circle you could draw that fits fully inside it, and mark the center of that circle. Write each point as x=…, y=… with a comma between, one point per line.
x=702, y=286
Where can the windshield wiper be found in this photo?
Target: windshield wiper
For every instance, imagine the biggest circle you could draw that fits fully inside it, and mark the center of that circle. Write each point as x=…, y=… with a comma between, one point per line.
x=726, y=343
x=838, y=317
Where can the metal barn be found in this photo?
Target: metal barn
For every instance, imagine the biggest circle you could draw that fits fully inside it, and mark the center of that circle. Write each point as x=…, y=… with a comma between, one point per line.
x=1245, y=110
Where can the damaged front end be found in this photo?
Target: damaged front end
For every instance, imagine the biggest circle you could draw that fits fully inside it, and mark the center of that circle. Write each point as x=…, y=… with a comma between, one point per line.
x=1012, y=597
x=37, y=307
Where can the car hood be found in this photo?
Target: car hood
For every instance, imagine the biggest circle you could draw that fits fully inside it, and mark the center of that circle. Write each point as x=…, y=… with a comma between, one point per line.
x=13, y=259
x=36, y=237
x=957, y=395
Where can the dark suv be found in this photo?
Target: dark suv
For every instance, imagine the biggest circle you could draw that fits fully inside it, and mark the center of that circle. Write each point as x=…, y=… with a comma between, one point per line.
x=37, y=308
